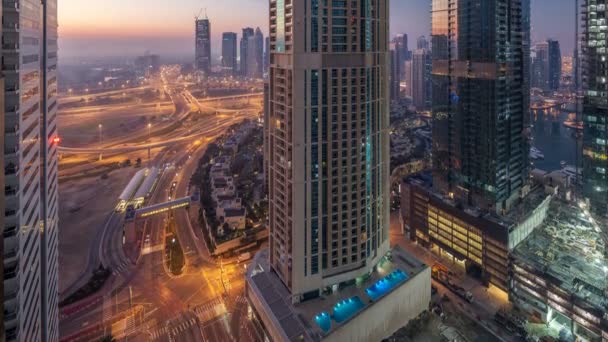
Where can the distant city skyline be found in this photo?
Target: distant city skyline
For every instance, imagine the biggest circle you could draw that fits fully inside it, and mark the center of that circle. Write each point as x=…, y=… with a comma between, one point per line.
x=117, y=28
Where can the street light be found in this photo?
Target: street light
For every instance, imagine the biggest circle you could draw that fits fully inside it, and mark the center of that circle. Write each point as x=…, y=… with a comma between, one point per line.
x=100, y=133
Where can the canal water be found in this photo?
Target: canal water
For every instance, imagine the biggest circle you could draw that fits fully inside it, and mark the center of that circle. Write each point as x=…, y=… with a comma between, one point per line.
x=553, y=139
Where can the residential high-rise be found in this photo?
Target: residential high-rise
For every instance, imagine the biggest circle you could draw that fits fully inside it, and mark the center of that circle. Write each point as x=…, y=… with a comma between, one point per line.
x=404, y=53
x=229, y=60
x=203, y=46
x=266, y=54
x=480, y=95
x=420, y=76
x=422, y=43
x=395, y=75
x=540, y=66
x=247, y=32
x=408, y=78
x=547, y=66
x=555, y=64
x=328, y=154
x=255, y=55
x=2, y=206
x=30, y=166
x=595, y=106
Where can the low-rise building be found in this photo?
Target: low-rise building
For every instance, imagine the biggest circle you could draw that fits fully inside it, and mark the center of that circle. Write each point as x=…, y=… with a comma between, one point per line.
x=234, y=218
x=480, y=241
x=369, y=308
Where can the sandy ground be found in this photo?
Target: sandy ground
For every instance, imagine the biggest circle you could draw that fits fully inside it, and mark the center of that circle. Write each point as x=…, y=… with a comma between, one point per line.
x=83, y=209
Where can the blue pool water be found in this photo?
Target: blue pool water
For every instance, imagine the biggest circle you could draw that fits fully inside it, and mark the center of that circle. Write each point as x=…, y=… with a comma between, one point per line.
x=386, y=284
x=323, y=321
x=347, y=308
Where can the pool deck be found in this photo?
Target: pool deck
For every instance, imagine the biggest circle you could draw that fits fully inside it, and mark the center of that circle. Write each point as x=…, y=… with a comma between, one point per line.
x=298, y=320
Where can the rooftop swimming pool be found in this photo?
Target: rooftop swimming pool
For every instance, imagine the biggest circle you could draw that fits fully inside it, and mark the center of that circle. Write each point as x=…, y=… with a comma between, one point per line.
x=386, y=284
x=347, y=308
x=323, y=321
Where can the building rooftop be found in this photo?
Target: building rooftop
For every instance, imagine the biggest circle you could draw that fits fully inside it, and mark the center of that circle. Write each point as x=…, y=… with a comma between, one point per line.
x=519, y=213
x=313, y=319
x=568, y=249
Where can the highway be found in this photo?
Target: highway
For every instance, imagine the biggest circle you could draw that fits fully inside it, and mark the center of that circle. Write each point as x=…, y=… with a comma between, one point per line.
x=143, y=301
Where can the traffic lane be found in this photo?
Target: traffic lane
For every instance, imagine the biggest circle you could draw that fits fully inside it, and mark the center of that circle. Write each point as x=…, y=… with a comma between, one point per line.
x=215, y=331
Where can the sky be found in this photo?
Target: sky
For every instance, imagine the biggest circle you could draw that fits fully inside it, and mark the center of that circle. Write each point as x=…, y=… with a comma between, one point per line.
x=132, y=27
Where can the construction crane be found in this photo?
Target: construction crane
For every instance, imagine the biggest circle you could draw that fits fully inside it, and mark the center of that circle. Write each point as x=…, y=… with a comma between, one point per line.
x=198, y=16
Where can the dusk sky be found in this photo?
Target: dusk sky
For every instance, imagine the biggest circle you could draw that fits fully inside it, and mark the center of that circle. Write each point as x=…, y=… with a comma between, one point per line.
x=130, y=27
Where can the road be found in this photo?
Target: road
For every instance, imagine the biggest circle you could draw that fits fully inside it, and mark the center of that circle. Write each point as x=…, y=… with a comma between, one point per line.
x=143, y=301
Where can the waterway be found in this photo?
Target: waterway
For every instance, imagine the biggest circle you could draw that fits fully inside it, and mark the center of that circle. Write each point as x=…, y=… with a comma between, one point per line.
x=553, y=139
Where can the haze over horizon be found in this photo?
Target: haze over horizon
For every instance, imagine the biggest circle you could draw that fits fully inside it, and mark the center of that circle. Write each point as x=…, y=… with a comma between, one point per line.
x=123, y=28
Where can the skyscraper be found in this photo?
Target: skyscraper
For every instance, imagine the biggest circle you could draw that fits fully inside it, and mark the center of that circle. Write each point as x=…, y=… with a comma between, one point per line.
x=540, y=66
x=229, y=60
x=595, y=107
x=266, y=54
x=2, y=186
x=408, y=78
x=247, y=32
x=422, y=43
x=328, y=153
x=203, y=46
x=404, y=52
x=395, y=75
x=30, y=166
x=480, y=96
x=555, y=64
x=420, y=79
x=255, y=54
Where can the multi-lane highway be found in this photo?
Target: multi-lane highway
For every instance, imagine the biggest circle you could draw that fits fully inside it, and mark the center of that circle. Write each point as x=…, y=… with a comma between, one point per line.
x=143, y=301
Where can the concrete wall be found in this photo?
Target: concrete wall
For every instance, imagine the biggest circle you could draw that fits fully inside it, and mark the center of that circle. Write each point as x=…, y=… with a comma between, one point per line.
x=388, y=315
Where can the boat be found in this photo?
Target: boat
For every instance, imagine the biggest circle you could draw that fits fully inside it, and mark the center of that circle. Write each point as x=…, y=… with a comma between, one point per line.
x=536, y=154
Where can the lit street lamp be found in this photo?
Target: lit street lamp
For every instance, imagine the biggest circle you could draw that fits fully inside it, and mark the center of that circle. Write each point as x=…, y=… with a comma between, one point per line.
x=100, y=140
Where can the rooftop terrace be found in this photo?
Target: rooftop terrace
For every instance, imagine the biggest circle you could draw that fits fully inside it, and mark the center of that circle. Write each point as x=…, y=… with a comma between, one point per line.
x=313, y=319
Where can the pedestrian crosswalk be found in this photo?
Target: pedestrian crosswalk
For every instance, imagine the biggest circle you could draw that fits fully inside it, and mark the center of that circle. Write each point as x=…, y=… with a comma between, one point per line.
x=121, y=268
x=173, y=328
x=210, y=310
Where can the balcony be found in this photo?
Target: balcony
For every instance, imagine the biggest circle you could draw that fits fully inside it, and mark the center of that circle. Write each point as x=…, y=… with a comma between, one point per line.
x=12, y=334
x=11, y=27
x=11, y=110
x=11, y=169
x=13, y=90
x=10, y=68
x=10, y=5
x=10, y=47
x=11, y=151
x=11, y=272
x=10, y=232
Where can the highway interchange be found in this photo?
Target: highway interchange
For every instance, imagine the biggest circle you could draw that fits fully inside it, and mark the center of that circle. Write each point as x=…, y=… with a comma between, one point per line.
x=141, y=301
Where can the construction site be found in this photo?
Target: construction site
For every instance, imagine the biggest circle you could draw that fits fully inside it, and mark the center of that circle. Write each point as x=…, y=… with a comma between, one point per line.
x=559, y=276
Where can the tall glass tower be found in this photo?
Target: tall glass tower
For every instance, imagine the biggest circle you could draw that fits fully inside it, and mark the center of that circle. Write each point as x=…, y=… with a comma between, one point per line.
x=595, y=105
x=203, y=45
x=480, y=100
x=229, y=60
x=30, y=166
x=328, y=141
